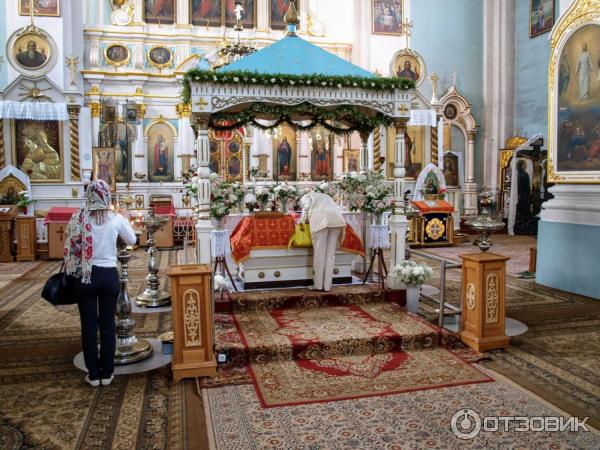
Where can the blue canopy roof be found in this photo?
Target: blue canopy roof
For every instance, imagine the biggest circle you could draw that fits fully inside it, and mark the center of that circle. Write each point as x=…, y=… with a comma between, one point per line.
x=294, y=56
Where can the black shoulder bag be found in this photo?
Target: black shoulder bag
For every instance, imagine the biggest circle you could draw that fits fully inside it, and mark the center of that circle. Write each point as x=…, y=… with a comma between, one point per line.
x=60, y=288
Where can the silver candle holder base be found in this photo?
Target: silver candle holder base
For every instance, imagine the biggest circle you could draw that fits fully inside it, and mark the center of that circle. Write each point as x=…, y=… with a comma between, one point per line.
x=129, y=349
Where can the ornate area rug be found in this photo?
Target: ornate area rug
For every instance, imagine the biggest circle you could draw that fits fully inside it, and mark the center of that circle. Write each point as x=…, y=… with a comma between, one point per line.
x=420, y=419
x=308, y=347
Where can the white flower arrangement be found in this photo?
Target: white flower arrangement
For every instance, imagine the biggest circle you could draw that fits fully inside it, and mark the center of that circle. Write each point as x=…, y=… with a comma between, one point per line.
x=220, y=282
x=412, y=273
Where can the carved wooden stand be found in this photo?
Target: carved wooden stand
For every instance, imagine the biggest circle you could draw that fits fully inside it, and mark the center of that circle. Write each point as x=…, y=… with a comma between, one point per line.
x=483, y=301
x=193, y=353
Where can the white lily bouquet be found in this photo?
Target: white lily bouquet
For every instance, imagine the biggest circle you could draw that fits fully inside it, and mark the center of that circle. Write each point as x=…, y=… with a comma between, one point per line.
x=264, y=197
x=412, y=273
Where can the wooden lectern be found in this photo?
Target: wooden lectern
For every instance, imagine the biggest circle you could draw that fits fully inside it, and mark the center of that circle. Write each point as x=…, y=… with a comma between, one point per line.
x=26, y=238
x=193, y=353
x=7, y=217
x=483, y=301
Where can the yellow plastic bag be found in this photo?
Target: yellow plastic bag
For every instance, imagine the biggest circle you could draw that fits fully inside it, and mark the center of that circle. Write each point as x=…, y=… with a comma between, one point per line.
x=301, y=237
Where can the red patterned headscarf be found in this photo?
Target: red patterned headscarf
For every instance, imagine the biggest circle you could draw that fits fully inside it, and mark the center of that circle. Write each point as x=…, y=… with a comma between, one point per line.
x=79, y=245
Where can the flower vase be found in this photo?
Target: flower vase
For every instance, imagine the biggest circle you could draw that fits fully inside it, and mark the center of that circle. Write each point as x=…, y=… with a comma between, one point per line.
x=284, y=206
x=413, y=294
x=220, y=224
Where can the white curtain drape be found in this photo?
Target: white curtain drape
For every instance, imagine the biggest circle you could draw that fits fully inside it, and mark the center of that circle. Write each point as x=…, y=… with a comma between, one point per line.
x=421, y=180
x=10, y=109
x=422, y=117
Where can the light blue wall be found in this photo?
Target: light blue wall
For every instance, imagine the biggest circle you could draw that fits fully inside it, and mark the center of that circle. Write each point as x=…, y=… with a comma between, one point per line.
x=568, y=257
x=449, y=37
x=531, y=62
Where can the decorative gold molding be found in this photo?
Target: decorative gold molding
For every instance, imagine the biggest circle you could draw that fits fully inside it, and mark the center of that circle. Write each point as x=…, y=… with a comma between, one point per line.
x=505, y=157
x=471, y=296
x=434, y=145
x=491, y=298
x=95, y=107
x=113, y=62
x=183, y=110
x=191, y=318
x=121, y=94
x=141, y=110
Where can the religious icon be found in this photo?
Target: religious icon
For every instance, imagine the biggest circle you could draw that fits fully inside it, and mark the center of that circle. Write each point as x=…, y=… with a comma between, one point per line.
x=40, y=8
x=451, y=169
x=125, y=135
x=431, y=185
x=160, y=57
x=284, y=154
x=160, y=152
x=321, y=154
x=206, y=12
x=278, y=10
x=578, y=132
x=159, y=11
x=117, y=54
x=450, y=111
x=233, y=145
x=387, y=17
x=541, y=16
x=351, y=160
x=247, y=13
x=104, y=165
x=408, y=64
x=37, y=149
x=31, y=51
x=215, y=156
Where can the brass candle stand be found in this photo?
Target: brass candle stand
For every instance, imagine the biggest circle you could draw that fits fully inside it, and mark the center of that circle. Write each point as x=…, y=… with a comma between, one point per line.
x=153, y=296
x=484, y=223
x=129, y=348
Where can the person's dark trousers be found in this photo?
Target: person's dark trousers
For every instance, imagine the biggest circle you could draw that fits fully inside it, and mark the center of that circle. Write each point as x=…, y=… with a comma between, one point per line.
x=97, y=308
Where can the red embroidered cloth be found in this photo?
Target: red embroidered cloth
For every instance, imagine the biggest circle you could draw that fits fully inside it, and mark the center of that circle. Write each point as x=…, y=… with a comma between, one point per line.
x=60, y=214
x=165, y=210
x=431, y=206
x=252, y=233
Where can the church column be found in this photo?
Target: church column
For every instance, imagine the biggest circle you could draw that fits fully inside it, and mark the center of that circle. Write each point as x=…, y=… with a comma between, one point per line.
x=470, y=192
x=364, y=150
x=186, y=134
x=398, y=221
x=183, y=12
x=95, y=109
x=304, y=154
x=138, y=15
x=203, y=226
x=140, y=161
x=378, y=157
x=74, y=140
x=2, y=148
x=262, y=15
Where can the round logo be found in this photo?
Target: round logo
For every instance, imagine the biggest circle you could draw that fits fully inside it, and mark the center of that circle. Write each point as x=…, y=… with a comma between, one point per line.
x=465, y=424
x=471, y=296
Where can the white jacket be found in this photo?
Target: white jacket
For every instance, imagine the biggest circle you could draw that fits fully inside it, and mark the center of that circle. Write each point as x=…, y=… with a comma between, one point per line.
x=322, y=212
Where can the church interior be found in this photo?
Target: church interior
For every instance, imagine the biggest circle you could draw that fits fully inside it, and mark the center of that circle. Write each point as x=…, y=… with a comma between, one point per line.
x=456, y=304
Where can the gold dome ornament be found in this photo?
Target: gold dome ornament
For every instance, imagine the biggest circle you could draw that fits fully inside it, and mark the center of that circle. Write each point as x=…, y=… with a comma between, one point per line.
x=291, y=18
x=514, y=142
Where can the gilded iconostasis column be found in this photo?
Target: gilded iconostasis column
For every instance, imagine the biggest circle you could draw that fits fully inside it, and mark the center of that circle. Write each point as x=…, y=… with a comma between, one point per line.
x=140, y=159
x=304, y=154
x=74, y=141
x=364, y=151
x=95, y=110
x=2, y=158
x=186, y=134
x=378, y=156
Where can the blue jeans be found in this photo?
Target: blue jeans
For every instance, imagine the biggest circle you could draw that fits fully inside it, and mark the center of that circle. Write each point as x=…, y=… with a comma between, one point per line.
x=97, y=307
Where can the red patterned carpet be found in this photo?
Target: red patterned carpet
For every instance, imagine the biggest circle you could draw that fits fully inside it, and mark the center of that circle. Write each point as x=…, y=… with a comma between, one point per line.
x=307, y=347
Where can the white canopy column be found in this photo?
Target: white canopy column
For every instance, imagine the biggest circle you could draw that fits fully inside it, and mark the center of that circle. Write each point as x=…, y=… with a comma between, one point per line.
x=470, y=199
x=203, y=226
x=398, y=221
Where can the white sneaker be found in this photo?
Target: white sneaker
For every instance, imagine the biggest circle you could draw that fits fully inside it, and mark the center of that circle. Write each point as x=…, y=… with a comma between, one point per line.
x=107, y=381
x=93, y=383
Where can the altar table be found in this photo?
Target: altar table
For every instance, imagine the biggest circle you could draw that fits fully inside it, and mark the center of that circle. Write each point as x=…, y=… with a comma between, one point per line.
x=260, y=248
x=57, y=220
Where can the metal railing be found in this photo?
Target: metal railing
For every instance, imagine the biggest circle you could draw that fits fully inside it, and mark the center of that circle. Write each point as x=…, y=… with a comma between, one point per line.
x=444, y=309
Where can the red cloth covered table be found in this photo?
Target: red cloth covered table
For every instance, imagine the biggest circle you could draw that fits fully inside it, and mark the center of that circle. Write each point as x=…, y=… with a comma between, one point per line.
x=165, y=210
x=59, y=214
x=433, y=206
x=252, y=233
x=57, y=220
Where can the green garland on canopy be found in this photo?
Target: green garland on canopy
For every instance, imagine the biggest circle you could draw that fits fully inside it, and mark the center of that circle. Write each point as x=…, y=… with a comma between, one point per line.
x=282, y=79
x=343, y=119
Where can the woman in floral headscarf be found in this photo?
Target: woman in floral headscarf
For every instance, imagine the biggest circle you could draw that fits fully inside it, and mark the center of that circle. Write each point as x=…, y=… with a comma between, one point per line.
x=91, y=255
